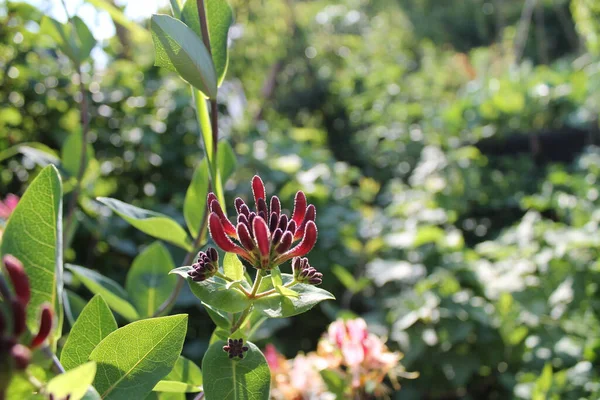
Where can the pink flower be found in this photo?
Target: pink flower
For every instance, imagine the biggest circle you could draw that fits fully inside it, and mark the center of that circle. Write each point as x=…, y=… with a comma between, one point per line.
x=264, y=237
x=8, y=205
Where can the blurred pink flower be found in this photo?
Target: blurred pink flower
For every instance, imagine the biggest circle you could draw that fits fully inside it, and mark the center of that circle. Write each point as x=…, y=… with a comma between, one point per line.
x=349, y=349
x=8, y=205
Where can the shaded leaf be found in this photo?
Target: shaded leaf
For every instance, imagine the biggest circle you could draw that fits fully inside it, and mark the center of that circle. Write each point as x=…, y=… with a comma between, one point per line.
x=152, y=223
x=114, y=295
x=148, y=282
x=220, y=18
x=180, y=50
x=226, y=160
x=185, y=377
x=233, y=267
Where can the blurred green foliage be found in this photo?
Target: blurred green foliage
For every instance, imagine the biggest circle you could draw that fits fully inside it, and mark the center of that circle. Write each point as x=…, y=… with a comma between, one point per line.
x=455, y=184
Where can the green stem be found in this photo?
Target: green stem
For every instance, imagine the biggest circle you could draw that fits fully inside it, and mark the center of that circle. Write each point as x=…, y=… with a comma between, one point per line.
x=256, y=285
x=241, y=320
x=273, y=291
x=223, y=276
x=176, y=8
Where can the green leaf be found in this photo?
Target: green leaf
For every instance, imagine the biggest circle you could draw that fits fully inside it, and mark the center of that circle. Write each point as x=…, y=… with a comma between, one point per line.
x=220, y=18
x=114, y=295
x=214, y=292
x=74, y=383
x=276, y=279
x=94, y=324
x=194, y=205
x=220, y=318
x=133, y=359
x=180, y=50
x=50, y=154
x=348, y=280
x=71, y=153
x=76, y=45
x=86, y=41
x=287, y=292
x=34, y=235
x=281, y=306
x=226, y=160
x=152, y=223
x=226, y=379
x=148, y=281
x=185, y=377
x=233, y=267
x=119, y=18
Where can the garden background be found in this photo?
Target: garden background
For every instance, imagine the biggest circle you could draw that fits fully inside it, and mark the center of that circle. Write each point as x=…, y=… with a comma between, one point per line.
x=449, y=146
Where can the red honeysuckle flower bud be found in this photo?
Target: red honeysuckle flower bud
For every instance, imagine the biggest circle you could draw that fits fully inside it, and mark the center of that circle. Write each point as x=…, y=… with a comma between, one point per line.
x=215, y=228
x=235, y=348
x=18, y=277
x=19, y=317
x=258, y=189
x=215, y=207
x=45, y=326
x=206, y=265
x=299, y=207
x=308, y=242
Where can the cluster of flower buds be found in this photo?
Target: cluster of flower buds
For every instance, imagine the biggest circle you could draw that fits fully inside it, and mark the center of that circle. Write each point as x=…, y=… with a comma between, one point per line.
x=304, y=273
x=235, y=348
x=206, y=265
x=13, y=316
x=265, y=237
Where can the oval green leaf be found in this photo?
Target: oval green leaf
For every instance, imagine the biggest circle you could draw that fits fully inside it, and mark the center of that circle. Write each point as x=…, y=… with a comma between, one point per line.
x=185, y=377
x=133, y=359
x=233, y=267
x=179, y=49
x=95, y=322
x=214, y=292
x=279, y=305
x=114, y=295
x=74, y=383
x=152, y=223
x=225, y=379
x=148, y=282
x=34, y=235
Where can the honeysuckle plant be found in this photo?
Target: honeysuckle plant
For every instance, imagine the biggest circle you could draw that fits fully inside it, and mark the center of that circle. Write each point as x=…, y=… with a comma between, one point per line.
x=239, y=281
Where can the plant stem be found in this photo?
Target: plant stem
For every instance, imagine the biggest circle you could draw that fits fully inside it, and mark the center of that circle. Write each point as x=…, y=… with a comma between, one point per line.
x=56, y=365
x=273, y=291
x=83, y=159
x=241, y=320
x=256, y=285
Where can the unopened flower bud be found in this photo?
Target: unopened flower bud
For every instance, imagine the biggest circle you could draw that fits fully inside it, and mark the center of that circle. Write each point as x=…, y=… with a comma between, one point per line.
x=19, y=319
x=21, y=356
x=18, y=277
x=235, y=348
x=206, y=265
x=304, y=273
x=45, y=326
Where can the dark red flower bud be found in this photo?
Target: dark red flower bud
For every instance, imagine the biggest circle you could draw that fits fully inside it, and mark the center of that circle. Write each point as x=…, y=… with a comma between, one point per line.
x=276, y=236
x=299, y=208
x=258, y=190
x=304, y=273
x=218, y=234
x=210, y=198
x=283, y=222
x=45, y=326
x=21, y=356
x=206, y=265
x=235, y=348
x=286, y=243
x=311, y=214
x=275, y=205
x=261, y=207
x=306, y=245
x=18, y=277
x=238, y=204
x=228, y=227
x=245, y=238
x=261, y=234
x=19, y=319
x=273, y=221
